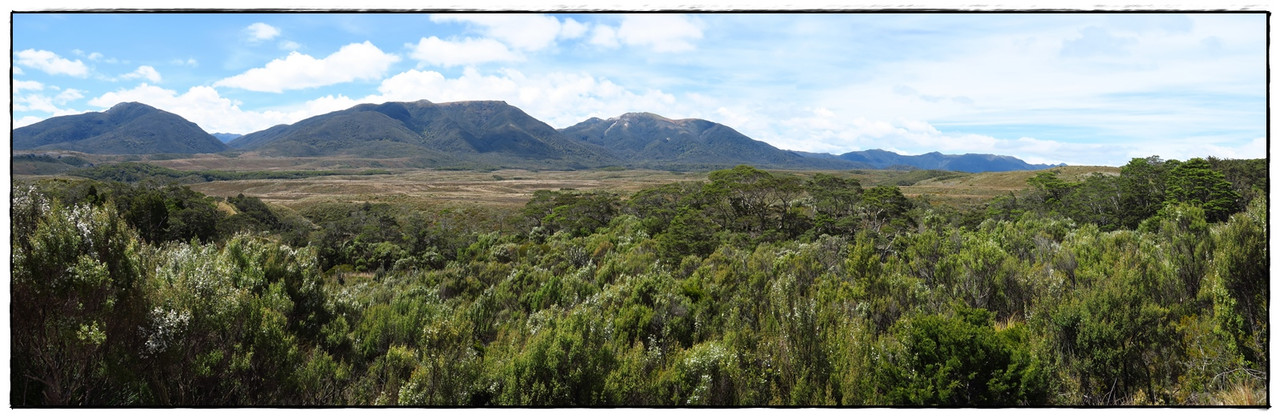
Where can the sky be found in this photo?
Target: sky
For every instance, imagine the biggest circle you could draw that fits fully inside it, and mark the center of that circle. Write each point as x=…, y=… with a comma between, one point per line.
x=1075, y=88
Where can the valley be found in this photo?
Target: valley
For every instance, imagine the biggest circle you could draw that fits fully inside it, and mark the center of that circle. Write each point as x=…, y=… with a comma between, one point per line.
x=405, y=184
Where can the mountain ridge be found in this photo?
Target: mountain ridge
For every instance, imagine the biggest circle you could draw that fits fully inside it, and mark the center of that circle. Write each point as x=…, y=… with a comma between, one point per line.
x=970, y=163
x=647, y=138
x=481, y=132
x=477, y=134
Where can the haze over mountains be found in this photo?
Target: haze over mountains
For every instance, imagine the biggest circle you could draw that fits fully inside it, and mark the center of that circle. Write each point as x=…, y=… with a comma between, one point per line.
x=475, y=133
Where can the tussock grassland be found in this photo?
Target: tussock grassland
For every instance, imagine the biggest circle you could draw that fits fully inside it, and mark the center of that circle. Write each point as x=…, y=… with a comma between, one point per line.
x=971, y=188
x=426, y=188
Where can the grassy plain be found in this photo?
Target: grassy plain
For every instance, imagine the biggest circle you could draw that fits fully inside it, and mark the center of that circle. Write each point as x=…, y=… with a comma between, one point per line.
x=405, y=185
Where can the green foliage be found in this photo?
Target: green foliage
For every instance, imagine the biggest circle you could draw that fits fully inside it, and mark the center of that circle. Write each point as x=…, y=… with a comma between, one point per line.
x=1238, y=283
x=134, y=172
x=580, y=214
x=750, y=289
x=959, y=360
x=1197, y=183
x=78, y=280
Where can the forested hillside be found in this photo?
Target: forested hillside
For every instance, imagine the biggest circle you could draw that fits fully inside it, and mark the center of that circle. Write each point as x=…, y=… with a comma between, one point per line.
x=750, y=288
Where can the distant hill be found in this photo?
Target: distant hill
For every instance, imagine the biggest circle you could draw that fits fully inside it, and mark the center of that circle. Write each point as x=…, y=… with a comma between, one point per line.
x=225, y=138
x=126, y=128
x=484, y=132
x=473, y=134
x=651, y=140
x=970, y=163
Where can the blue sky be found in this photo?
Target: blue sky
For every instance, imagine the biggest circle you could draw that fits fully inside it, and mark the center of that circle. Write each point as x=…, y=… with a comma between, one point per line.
x=1079, y=88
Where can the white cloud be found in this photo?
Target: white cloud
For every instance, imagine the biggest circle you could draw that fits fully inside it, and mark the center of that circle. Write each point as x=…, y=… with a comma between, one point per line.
x=660, y=32
x=20, y=85
x=189, y=62
x=560, y=99
x=604, y=35
x=51, y=63
x=95, y=56
x=527, y=32
x=145, y=72
x=435, y=51
x=261, y=32
x=26, y=120
x=571, y=29
x=68, y=95
x=201, y=105
x=289, y=45
x=361, y=61
x=34, y=103
x=823, y=130
x=1192, y=147
x=45, y=104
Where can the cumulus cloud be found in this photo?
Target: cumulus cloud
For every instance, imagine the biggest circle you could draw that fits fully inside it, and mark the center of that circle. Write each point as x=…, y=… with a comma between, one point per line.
x=54, y=105
x=527, y=32
x=571, y=29
x=38, y=102
x=95, y=56
x=26, y=120
x=560, y=99
x=823, y=130
x=362, y=61
x=189, y=62
x=604, y=35
x=658, y=32
x=68, y=95
x=435, y=51
x=51, y=63
x=144, y=72
x=261, y=32
x=201, y=105
x=35, y=103
x=20, y=85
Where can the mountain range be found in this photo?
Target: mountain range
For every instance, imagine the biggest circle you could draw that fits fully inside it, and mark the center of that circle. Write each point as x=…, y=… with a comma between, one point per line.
x=472, y=133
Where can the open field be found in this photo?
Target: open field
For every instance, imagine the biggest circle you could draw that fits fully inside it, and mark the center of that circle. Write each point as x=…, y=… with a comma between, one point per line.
x=969, y=188
x=435, y=187
x=425, y=188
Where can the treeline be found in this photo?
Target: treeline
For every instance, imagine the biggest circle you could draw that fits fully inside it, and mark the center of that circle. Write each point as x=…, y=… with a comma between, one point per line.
x=133, y=172
x=750, y=288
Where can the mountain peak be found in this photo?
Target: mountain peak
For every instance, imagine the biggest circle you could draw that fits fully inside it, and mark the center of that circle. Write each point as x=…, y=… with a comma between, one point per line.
x=488, y=132
x=126, y=128
x=650, y=139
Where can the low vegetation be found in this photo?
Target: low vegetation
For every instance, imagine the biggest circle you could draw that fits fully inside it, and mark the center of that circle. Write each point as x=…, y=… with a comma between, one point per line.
x=1146, y=286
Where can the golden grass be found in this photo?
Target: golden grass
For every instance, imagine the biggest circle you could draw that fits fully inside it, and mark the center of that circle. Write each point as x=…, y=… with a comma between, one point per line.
x=406, y=185
x=427, y=188
x=1242, y=394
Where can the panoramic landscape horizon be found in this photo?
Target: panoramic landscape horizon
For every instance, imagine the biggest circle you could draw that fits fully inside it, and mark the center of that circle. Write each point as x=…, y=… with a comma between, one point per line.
x=1079, y=89
x=639, y=210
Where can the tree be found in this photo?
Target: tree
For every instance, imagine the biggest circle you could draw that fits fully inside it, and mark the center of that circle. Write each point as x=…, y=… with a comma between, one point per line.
x=883, y=206
x=1049, y=188
x=77, y=303
x=960, y=360
x=1197, y=183
x=835, y=202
